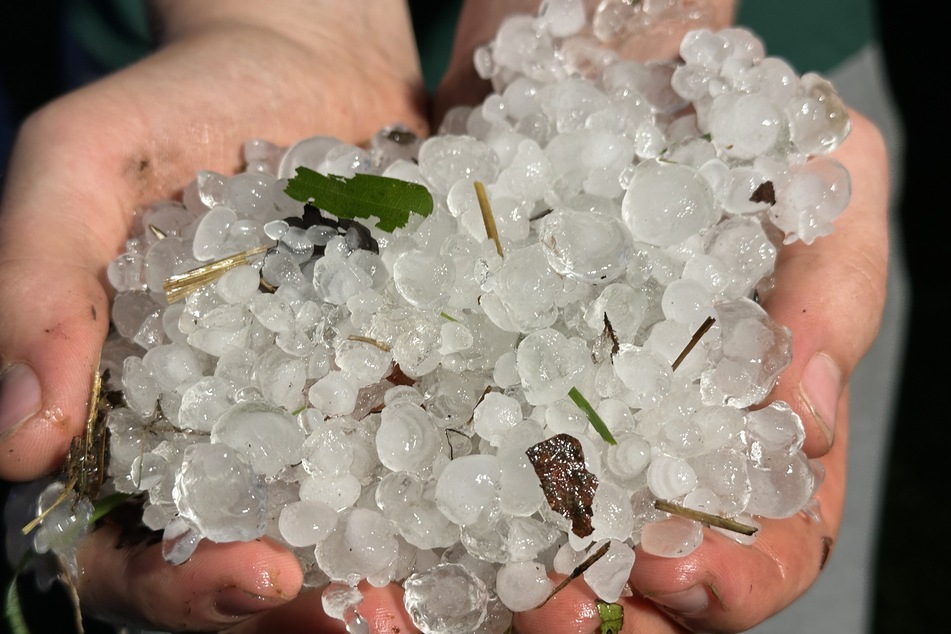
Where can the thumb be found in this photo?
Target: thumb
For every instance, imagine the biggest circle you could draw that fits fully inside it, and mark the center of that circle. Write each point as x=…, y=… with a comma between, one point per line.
x=54, y=311
x=831, y=293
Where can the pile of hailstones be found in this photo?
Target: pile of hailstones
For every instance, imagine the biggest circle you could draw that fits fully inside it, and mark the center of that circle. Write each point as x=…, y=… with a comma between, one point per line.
x=370, y=405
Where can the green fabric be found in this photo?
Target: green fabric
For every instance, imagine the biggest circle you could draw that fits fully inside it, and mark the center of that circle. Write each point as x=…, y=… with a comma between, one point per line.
x=812, y=35
x=115, y=33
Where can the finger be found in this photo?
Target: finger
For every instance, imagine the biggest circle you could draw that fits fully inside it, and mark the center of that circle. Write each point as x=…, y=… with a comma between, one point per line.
x=381, y=609
x=831, y=293
x=727, y=587
x=574, y=610
x=54, y=312
x=219, y=585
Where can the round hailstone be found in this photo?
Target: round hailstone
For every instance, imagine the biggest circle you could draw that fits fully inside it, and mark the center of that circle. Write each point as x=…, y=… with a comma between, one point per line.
x=745, y=126
x=443, y=160
x=815, y=195
x=548, y=364
x=424, y=279
x=407, y=439
x=267, y=436
x=781, y=485
x=667, y=203
x=362, y=544
x=608, y=576
x=467, y=489
x=671, y=537
x=446, y=599
x=818, y=120
x=306, y=523
x=669, y=478
x=218, y=492
x=523, y=585
x=589, y=247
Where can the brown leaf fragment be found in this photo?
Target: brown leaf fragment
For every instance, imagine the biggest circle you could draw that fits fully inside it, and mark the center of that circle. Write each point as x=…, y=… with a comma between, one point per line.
x=765, y=193
x=568, y=486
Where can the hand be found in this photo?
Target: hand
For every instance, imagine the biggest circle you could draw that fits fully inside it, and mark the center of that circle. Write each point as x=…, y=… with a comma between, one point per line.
x=227, y=71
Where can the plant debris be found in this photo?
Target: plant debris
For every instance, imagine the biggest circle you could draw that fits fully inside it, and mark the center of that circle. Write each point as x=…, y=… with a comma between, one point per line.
x=363, y=196
x=593, y=417
x=705, y=518
x=487, y=217
x=701, y=331
x=579, y=570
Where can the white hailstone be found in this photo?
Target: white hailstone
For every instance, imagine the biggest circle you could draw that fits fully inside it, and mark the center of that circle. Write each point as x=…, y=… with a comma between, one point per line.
x=671, y=537
x=666, y=203
x=446, y=599
x=268, y=437
x=306, y=523
x=523, y=585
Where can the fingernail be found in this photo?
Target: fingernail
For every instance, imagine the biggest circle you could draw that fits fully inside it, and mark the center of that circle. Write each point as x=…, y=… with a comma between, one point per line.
x=19, y=396
x=236, y=603
x=821, y=387
x=686, y=602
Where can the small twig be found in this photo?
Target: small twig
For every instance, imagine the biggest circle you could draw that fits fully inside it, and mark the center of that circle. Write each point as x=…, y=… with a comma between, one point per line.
x=705, y=518
x=373, y=342
x=180, y=286
x=579, y=570
x=701, y=331
x=158, y=233
x=487, y=216
x=488, y=388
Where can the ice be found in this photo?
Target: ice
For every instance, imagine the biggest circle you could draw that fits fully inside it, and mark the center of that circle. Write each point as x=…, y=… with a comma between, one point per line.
x=265, y=435
x=608, y=576
x=562, y=17
x=816, y=194
x=647, y=377
x=671, y=537
x=467, y=489
x=775, y=428
x=445, y=160
x=424, y=279
x=495, y=416
x=669, y=477
x=130, y=310
x=362, y=543
x=211, y=233
x=818, y=119
x=781, y=485
x=744, y=249
x=508, y=539
x=612, y=516
x=446, y=599
x=666, y=203
x=407, y=439
x=548, y=364
x=523, y=585
x=218, y=492
x=125, y=273
x=588, y=247
x=754, y=350
x=745, y=126
x=306, y=523
x=420, y=365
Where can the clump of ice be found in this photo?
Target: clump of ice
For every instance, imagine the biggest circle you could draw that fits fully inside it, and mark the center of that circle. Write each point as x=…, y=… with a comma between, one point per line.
x=371, y=406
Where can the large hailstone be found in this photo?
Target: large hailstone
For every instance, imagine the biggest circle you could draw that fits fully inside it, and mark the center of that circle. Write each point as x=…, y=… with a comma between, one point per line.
x=666, y=203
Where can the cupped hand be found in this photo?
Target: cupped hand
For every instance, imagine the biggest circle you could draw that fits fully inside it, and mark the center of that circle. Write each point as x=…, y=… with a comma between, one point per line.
x=229, y=71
